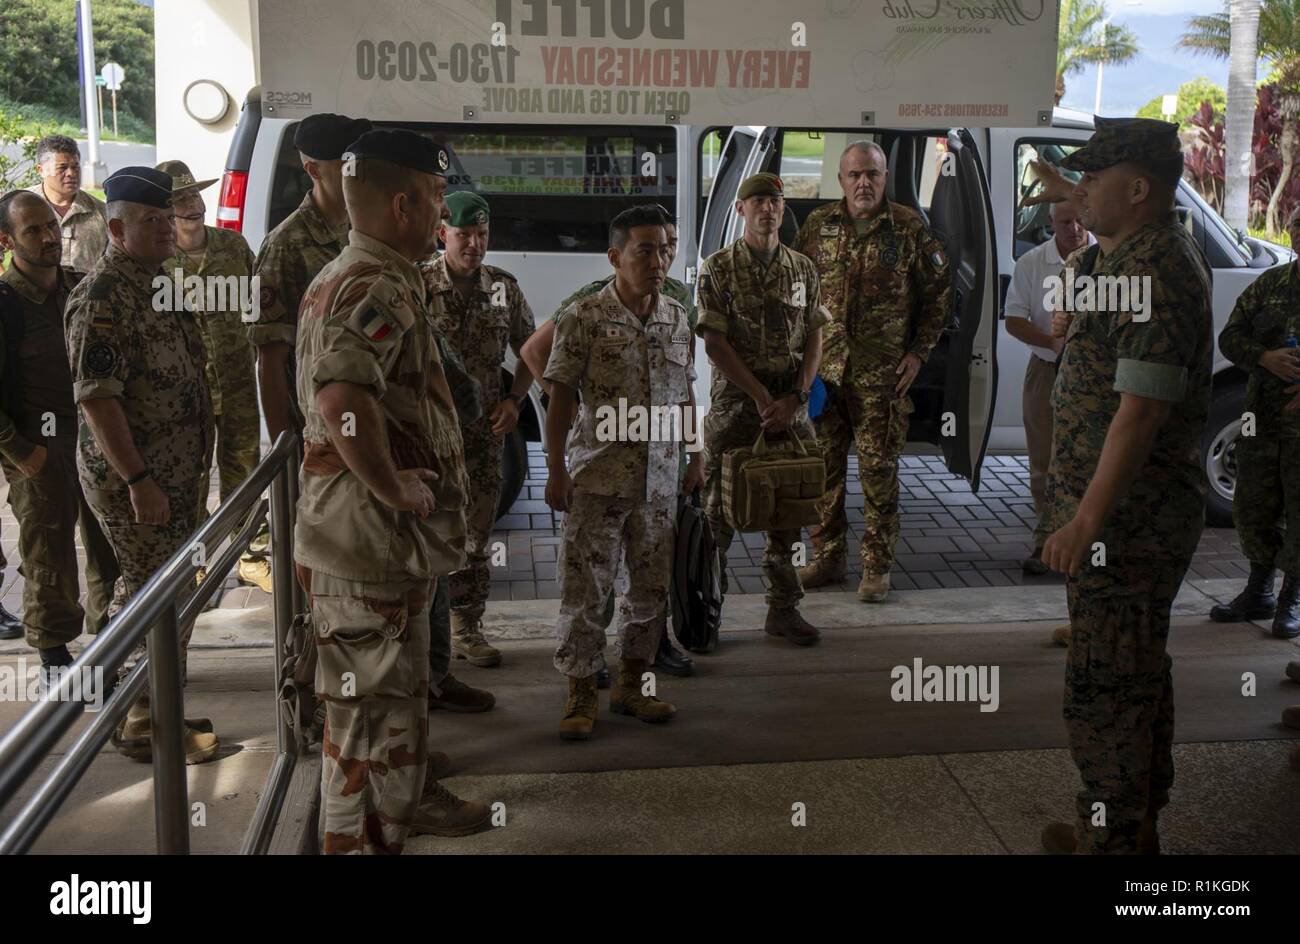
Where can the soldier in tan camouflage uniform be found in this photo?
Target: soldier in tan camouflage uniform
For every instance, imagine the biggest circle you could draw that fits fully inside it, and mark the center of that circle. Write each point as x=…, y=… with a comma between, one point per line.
x=537, y=351
x=1126, y=489
x=886, y=283
x=38, y=437
x=138, y=376
x=480, y=311
x=81, y=216
x=382, y=510
x=627, y=351
x=222, y=262
x=761, y=318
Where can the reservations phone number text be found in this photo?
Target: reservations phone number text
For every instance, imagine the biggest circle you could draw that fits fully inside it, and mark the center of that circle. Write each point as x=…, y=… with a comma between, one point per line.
x=480, y=63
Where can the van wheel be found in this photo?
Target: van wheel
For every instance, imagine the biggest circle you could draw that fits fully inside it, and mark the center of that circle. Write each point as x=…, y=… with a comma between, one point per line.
x=1219, y=452
x=514, y=470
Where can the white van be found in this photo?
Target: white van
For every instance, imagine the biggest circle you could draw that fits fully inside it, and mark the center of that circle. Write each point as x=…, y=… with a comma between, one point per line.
x=554, y=189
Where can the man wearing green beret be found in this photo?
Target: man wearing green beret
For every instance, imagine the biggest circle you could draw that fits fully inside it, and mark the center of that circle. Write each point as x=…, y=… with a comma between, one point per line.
x=480, y=310
x=761, y=319
x=886, y=284
x=1126, y=490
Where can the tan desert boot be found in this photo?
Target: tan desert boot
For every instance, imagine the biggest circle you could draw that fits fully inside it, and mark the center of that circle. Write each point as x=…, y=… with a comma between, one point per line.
x=467, y=642
x=1061, y=636
x=579, y=709
x=822, y=571
x=442, y=813
x=873, y=588
x=625, y=696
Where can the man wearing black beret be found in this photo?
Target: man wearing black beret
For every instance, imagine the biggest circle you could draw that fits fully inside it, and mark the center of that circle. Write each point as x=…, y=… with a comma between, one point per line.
x=138, y=372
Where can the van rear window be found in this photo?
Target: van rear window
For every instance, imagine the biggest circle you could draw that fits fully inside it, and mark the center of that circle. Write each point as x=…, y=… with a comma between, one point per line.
x=551, y=188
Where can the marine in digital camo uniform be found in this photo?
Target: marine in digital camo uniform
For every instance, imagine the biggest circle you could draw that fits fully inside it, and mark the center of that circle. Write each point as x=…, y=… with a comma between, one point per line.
x=481, y=311
x=886, y=283
x=1137, y=380
x=620, y=499
x=38, y=437
x=369, y=549
x=769, y=314
x=1266, y=504
x=223, y=264
x=138, y=366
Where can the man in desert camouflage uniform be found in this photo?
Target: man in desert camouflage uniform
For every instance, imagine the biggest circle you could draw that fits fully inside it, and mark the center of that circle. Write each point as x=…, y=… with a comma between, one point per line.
x=1126, y=490
x=38, y=437
x=537, y=351
x=886, y=284
x=480, y=311
x=138, y=376
x=223, y=265
x=626, y=350
x=382, y=510
x=1266, y=505
x=81, y=215
x=761, y=318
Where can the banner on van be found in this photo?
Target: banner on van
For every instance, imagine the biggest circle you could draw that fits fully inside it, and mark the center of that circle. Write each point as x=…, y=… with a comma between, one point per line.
x=828, y=63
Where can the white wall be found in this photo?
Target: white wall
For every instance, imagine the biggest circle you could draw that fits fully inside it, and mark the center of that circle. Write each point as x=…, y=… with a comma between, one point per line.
x=201, y=39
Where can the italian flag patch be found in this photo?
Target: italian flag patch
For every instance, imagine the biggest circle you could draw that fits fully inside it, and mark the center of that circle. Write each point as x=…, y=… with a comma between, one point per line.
x=375, y=325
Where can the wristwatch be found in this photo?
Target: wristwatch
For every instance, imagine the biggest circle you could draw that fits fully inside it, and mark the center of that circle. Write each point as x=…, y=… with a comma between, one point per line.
x=802, y=396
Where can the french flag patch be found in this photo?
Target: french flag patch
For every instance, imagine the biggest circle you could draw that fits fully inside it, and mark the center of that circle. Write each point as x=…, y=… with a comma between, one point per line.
x=375, y=325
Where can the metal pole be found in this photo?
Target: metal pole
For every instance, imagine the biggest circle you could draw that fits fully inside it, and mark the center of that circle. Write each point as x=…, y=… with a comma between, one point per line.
x=291, y=468
x=171, y=806
x=91, y=173
x=282, y=582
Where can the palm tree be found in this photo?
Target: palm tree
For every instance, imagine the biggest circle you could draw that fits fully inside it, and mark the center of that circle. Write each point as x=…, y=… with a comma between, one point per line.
x=1085, y=37
x=1277, y=39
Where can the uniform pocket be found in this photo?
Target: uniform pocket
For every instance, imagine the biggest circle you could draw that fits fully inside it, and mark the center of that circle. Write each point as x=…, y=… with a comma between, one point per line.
x=362, y=648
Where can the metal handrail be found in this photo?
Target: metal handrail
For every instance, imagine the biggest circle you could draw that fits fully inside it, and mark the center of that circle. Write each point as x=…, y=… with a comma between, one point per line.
x=154, y=611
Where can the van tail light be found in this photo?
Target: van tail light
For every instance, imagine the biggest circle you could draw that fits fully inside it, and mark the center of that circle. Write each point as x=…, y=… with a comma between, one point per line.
x=230, y=206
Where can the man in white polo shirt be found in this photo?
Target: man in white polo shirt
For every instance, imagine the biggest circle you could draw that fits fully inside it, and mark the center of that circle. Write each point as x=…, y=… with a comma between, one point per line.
x=1028, y=321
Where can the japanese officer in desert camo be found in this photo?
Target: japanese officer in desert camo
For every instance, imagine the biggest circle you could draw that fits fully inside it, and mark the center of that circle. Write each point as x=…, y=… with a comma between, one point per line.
x=626, y=350
x=138, y=376
x=761, y=318
x=381, y=515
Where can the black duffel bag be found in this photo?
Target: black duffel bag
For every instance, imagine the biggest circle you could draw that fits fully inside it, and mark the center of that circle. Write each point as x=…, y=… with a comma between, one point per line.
x=696, y=585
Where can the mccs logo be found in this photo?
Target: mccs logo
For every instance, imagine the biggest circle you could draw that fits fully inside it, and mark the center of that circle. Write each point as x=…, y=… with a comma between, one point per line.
x=288, y=98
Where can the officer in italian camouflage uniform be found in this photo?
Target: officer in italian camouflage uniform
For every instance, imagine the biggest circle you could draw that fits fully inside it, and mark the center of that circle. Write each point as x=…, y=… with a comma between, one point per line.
x=81, y=215
x=537, y=351
x=1266, y=505
x=1136, y=381
x=222, y=262
x=480, y=310
x=382, y=510
x=886, y=284
x=138, y=376
x=38, y=437
x=626, y=351
x=761, y=318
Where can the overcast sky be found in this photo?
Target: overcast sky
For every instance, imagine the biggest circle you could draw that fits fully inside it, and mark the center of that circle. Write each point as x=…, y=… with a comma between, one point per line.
x=1156, y=7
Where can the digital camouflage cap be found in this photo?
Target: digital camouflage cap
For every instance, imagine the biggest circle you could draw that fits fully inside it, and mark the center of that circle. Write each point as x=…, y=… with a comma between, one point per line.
x=1151, y=144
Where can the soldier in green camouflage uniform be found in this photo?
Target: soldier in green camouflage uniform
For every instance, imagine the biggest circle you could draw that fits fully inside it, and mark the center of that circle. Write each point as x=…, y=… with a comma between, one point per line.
x=620, y=500
x=138, y=376
x=886, y=284
x=1266, y=505
x=481, y=311
x=1126, y=489
x=382, y=510
x=81, y=215
x=38, y=437
x=222, y=262
x=761, y=317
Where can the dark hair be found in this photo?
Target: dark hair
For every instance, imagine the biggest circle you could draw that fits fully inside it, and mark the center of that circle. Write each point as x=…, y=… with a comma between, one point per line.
x=55, y=144
x=647, y=214
x=6, y=208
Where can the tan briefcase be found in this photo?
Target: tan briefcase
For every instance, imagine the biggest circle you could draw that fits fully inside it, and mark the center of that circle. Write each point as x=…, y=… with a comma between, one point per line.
x=772, y=486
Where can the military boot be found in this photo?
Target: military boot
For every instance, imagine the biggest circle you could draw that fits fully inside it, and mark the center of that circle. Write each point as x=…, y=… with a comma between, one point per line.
x=625, y=696
x=467, y=642
x=1254, y=602
x=579, y=710
x=457, y=696
x=1286, y=623
x=256, y=571
x=672, y=661
x=442, y=813
x=134, y=737
x=873, y=588
x=1061, y=636
x=788, y=623
x=11, y=627
x=1059, y=838
x=823, y=571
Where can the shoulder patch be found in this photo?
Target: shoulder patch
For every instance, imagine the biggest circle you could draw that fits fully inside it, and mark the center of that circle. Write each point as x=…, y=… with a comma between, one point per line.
x=375, y=324
x=937, y=259
x=100, y=359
